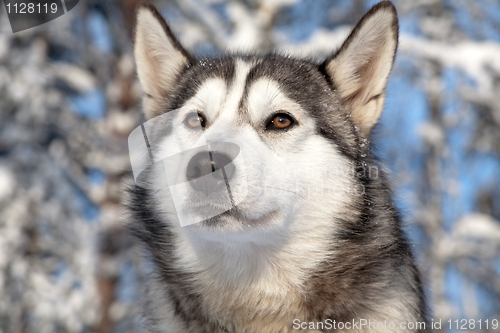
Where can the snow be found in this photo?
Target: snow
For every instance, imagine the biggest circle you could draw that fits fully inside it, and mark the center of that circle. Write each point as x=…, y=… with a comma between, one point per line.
x=69, y=98
x=478, y=59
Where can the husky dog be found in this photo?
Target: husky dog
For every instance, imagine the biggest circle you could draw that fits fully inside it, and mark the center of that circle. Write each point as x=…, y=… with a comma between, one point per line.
x=314, y=242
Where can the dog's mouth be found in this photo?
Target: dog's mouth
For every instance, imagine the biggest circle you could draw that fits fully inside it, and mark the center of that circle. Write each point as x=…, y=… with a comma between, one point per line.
x=210, y=211
x=236, y=219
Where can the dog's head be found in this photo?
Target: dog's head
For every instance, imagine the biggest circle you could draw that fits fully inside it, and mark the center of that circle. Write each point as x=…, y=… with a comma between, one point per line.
x=258, y=142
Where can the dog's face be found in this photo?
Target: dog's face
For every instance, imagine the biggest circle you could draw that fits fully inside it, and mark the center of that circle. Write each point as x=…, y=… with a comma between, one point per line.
x=259, y=143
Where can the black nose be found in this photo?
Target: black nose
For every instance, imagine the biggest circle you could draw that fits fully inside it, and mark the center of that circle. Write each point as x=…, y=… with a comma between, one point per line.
x=209, y=162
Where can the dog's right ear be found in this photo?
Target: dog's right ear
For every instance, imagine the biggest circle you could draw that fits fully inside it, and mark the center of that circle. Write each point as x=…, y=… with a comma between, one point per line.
x=159, y=58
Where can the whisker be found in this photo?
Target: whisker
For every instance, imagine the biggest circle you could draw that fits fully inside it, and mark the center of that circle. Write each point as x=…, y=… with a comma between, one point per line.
x=160, y=189
x=275, y=95
x=282, y=189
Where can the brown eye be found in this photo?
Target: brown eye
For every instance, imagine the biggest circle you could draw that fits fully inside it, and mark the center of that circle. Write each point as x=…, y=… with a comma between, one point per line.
x=280, y=121
x=194, y=120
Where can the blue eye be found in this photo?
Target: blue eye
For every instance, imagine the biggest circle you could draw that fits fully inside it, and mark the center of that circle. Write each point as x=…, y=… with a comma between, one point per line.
x=194, y=120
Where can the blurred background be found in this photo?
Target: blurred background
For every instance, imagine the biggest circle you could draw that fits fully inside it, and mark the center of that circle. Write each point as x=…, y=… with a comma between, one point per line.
x=69, y=97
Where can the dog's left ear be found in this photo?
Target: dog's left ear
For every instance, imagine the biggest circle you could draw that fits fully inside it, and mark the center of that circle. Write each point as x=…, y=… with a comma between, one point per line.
x=360, y=69
x=159, y=57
